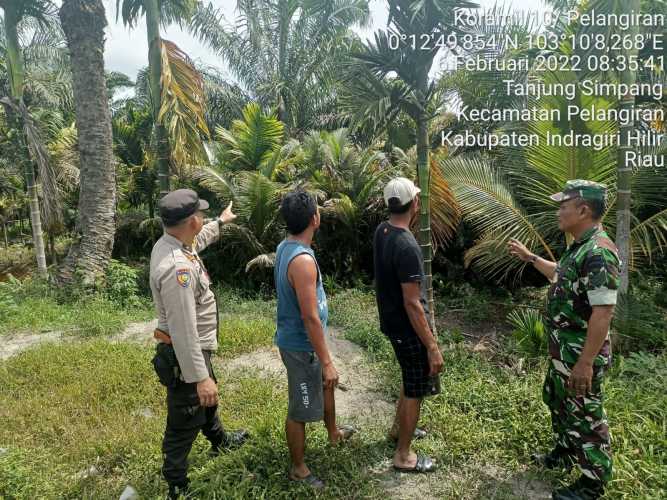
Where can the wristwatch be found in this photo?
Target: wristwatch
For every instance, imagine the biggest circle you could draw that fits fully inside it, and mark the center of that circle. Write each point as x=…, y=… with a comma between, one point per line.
x=533, y=258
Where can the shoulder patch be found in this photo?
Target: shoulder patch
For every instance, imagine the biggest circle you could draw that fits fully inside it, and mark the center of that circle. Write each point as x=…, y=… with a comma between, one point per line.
x=183, y=277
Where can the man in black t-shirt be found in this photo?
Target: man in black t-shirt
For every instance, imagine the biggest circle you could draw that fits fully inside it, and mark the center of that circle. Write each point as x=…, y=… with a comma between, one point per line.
x=401, y=299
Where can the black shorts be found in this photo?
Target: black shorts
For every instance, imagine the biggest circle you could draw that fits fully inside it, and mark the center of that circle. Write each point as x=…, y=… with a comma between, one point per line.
x=412, y=355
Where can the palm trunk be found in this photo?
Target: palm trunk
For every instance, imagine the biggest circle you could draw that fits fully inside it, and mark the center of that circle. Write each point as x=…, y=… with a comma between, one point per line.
x=52, y=250
x=424, y=178
x=282, y=48
x=83, y=22
x=161, y=139
x=624, y=173
x=16, y=78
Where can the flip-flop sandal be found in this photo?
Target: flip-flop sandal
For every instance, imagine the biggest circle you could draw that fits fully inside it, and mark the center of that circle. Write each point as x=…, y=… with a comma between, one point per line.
x=348, y=432
x=424, y=465
x=418, y=434
x=235, y=439
x=309, y=480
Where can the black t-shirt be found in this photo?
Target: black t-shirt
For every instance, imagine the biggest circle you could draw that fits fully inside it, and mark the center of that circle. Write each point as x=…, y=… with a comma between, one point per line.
x=398, y=259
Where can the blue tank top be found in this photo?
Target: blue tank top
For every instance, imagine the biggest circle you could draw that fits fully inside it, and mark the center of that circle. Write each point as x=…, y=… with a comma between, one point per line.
x=290, y=332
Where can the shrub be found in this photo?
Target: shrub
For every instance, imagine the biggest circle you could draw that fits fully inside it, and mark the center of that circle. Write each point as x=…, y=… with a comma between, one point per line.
x=121, y=284
x=7, y=297
x=639, y=323
x=529, y=332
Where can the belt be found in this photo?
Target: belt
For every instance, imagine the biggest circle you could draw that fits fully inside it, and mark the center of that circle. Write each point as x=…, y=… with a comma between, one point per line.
x=165, y=338
x=161, y=336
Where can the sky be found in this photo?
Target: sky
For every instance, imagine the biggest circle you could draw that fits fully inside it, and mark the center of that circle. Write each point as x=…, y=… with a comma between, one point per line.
x=126, y=49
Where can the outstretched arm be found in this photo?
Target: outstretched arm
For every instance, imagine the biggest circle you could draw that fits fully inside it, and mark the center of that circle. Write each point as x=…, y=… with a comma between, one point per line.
x=546, y=267
x=210, y=233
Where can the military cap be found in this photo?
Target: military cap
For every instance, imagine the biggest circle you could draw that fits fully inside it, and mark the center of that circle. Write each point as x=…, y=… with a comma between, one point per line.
x=180, y=204
x=579, y=188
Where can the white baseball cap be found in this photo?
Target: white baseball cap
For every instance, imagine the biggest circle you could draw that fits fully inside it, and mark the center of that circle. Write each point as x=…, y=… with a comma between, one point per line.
x=400, y=191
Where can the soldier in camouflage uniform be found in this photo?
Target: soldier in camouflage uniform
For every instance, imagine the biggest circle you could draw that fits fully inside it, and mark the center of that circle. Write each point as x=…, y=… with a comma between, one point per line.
x=579, y=310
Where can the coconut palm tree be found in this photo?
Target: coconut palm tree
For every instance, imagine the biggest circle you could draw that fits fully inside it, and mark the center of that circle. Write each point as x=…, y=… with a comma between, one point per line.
x=176, y=88
x=376, y=97
x=508, y=196
x=29, y=139
x=83, y=22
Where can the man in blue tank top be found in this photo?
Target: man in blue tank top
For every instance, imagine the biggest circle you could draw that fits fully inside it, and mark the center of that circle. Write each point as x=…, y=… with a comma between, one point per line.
x=302, y=314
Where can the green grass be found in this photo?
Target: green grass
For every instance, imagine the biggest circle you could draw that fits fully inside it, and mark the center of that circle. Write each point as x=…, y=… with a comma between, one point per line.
x=246, y=324
x=240, y=335
x=34, y=307
x=67, y=407
x=235, y=304
x=488, y=414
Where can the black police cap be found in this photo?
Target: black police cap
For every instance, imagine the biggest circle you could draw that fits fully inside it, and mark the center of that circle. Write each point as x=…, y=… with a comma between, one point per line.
x=180, y=204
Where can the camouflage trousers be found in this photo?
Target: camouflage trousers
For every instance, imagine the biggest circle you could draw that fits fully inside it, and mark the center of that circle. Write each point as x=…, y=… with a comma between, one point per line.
x=579, y=423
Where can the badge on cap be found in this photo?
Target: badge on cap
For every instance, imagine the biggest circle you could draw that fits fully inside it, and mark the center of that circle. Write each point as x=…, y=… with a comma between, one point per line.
x=183, y=277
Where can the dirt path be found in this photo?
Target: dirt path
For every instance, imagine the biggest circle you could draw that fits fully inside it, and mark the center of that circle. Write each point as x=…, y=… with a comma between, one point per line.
x=360, y=402
x=13, y=344
x=357, y=399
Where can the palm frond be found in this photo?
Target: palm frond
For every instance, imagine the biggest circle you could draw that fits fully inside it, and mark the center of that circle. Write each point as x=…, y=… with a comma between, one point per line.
x=648, y=238
x=182, y=110
x=215, y=181
x=288, y=53
x=257, y=202
x=494, y=213
x=65, y=158
x=251, y=141
x=51, y=204
x=343, y=209
x=263, y=261
x=242, y=236
x=445, y=209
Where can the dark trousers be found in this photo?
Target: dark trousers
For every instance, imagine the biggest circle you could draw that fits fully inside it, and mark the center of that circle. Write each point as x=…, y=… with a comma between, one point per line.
x=185, y=418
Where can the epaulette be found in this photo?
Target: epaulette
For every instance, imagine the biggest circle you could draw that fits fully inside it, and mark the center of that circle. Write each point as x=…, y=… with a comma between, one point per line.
x=179, y=255
x=605, y=242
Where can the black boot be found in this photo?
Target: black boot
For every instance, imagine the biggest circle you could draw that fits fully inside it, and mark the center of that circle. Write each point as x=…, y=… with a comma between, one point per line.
x=178, y=491
x=556, y=459
x=582, y=489
x=232, y=440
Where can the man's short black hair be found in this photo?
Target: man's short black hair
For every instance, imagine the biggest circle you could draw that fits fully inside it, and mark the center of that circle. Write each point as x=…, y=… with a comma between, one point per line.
x=597, y=207
x=172, y=224
x=395, y=208
x=297, y=208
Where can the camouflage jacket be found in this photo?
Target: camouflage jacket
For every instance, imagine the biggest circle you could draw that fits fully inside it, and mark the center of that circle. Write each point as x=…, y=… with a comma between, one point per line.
x=587, y=275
